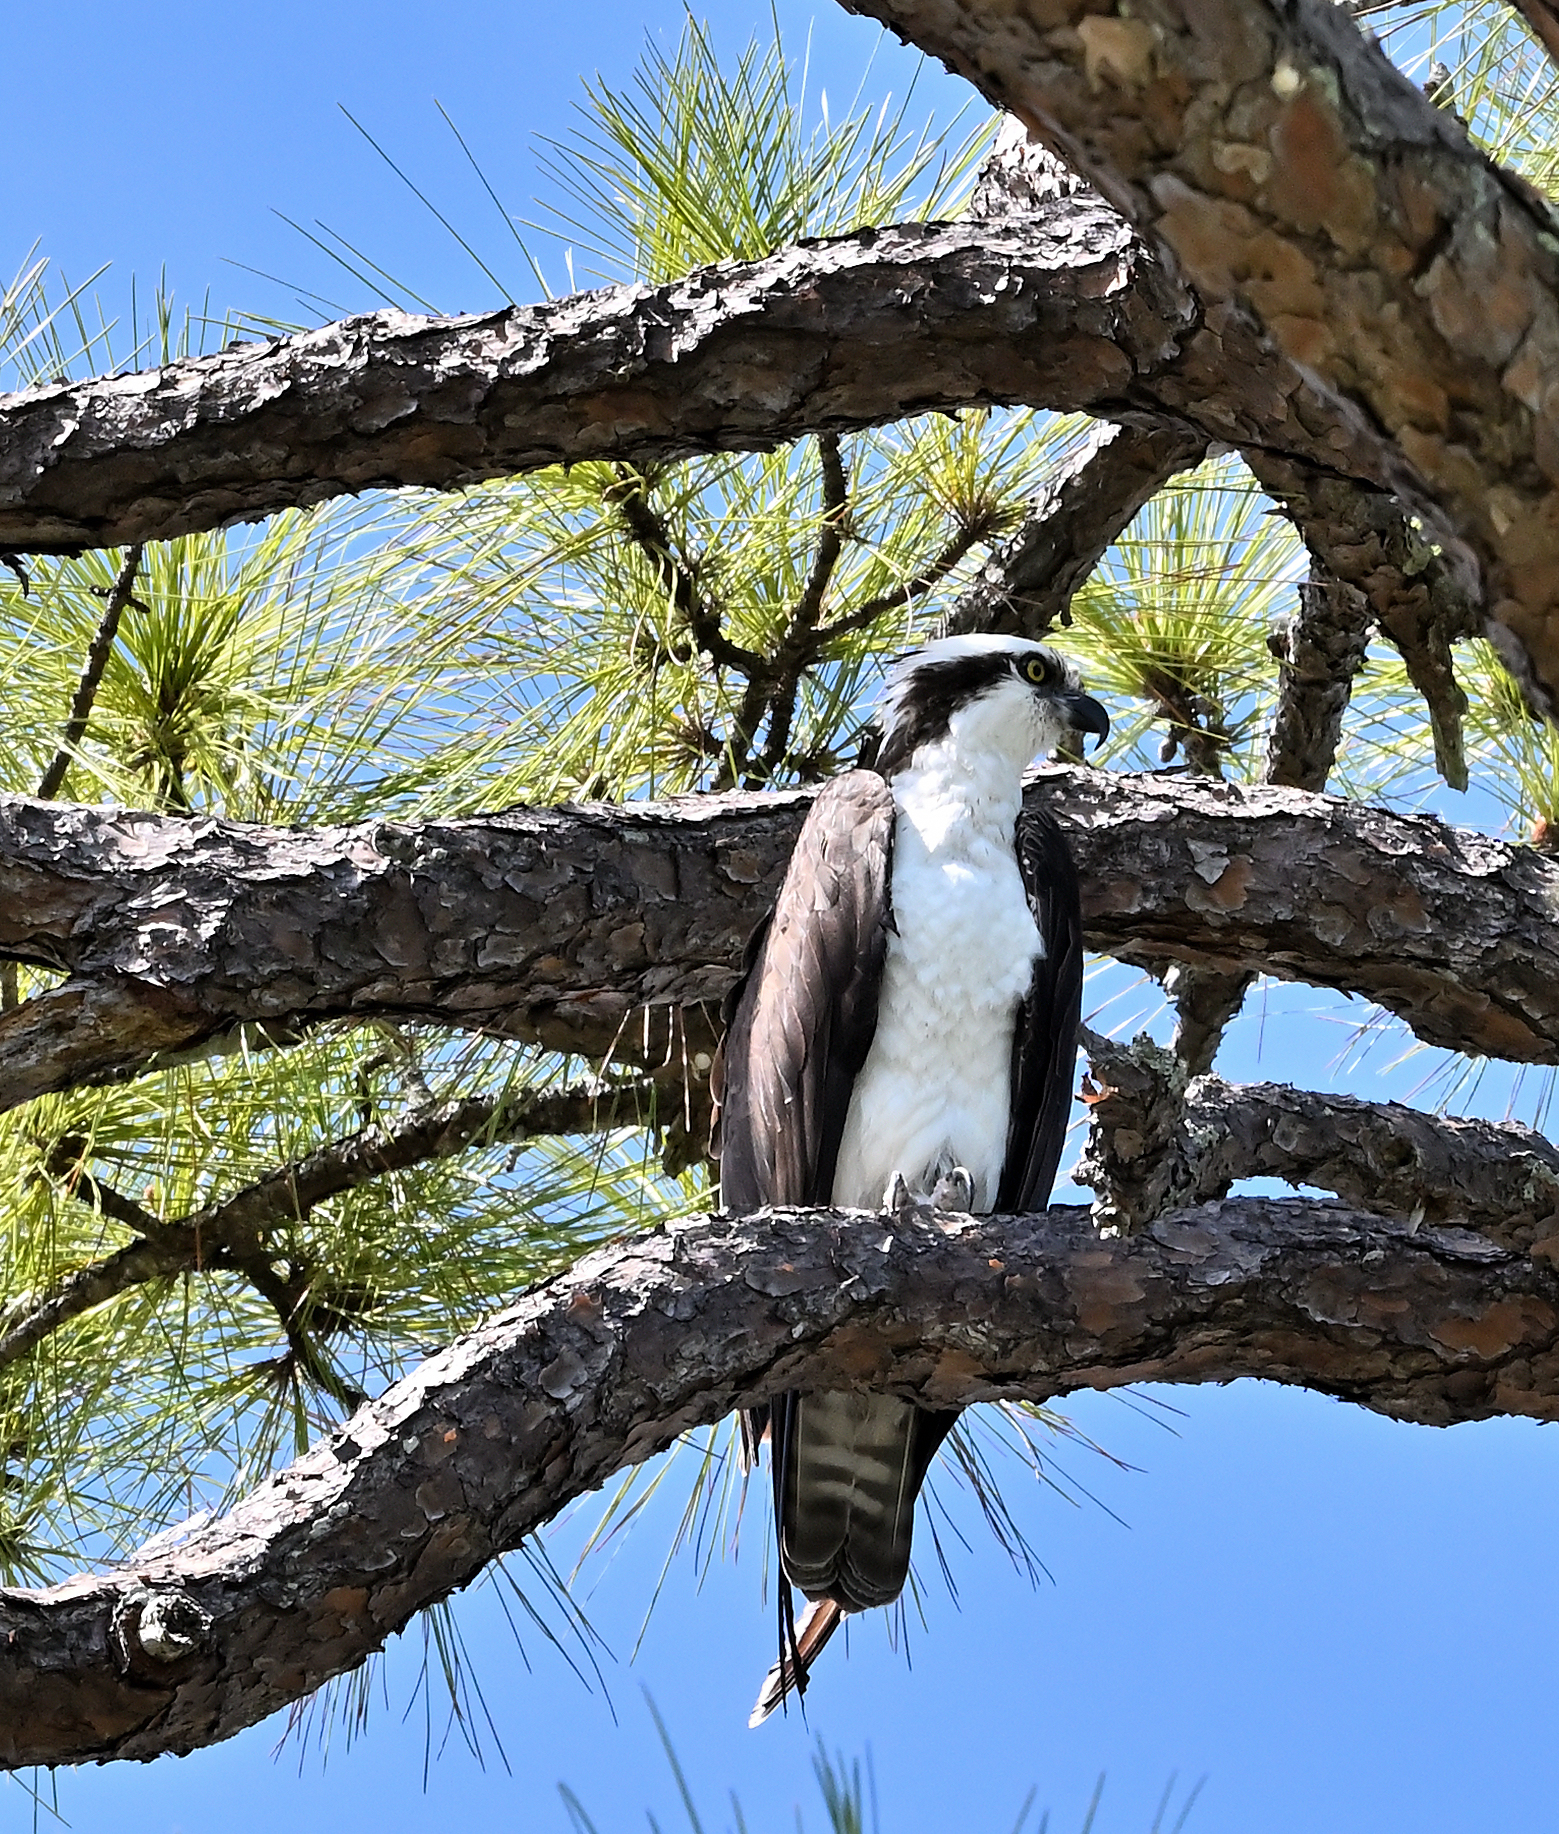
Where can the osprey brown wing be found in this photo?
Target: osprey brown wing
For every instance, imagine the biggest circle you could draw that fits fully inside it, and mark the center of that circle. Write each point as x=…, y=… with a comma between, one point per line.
x=802, y=1021
x=1044, y=1040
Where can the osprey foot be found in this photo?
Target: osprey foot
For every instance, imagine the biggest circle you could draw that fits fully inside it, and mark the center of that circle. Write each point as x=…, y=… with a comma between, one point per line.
x=900, y=1200
x=954, y=1190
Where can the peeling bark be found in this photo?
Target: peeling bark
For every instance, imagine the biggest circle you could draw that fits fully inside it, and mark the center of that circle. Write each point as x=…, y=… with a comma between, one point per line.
x=1307, y=188
x=605, y=1365
x=1061, y=310
x=1319, y=651
x=559, y=927
x=1158, y=1142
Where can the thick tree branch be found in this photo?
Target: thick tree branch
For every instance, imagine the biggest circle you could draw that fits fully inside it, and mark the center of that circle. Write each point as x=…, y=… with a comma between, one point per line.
x=1158, y=1142
x=1422, y=599
x=237, y=1232
x=1319, y=651
x=1060, y=311
x=1499, y=1178
x=1306, y=187
x=605, y=1365
x=552, y=926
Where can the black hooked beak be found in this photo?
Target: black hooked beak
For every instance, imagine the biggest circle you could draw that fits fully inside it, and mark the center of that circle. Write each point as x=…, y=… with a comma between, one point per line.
x=1084, y=714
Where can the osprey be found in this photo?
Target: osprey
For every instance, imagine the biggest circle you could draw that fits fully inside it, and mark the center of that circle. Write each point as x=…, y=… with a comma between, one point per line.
x=906, y=1028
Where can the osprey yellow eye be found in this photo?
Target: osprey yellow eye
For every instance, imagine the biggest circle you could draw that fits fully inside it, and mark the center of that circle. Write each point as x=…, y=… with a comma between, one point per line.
x=1037, y=670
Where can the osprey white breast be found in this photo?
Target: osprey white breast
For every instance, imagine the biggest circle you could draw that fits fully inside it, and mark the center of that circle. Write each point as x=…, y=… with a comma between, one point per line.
x=935, y=1091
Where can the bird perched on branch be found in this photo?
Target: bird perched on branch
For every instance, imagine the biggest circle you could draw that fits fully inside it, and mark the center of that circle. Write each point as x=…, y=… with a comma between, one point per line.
x=905, y=1031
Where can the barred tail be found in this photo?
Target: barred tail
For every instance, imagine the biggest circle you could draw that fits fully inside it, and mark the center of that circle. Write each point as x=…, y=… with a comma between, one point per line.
x=848, y=1468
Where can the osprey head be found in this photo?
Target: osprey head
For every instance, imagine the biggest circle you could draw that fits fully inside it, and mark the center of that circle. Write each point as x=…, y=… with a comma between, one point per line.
x=1004, y=693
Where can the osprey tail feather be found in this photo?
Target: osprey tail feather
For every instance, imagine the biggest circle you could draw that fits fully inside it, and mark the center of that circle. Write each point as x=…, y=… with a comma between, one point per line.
x=847, y=1469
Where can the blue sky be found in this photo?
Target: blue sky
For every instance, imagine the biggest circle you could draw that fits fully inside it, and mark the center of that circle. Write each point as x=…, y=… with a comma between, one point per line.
x=1342, y=1622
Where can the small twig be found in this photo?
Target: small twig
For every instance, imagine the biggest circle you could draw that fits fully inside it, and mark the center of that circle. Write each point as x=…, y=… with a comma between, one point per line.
x=288, y=1299
x=922, y=583
x=680, y=580
x=91, y=676
x=830, y=540
x=798, y=648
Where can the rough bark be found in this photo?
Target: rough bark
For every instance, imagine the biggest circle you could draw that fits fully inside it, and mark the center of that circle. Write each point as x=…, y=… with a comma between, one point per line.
x=554, y=926
x=1421, y=599
x=1497, y=1177
x=1308, y=188
x=1060, y=310
x=603, y=1366
x=1319, y=651
x=1207, y=1002
x=1159, y=1141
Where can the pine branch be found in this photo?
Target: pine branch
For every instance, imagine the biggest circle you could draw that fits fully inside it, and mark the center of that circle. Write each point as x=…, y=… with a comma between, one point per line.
x=1159, y=1141
x=1060, y=309
x=236, y=1233
x=678, y=577
x=495, y=1435
x=1026, y=587
x=173, y=934
x=830, y=544
x=931, y=576
x=850, y=332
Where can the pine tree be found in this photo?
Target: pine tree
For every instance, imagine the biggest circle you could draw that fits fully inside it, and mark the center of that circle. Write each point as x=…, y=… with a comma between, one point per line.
x=218, y=1240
